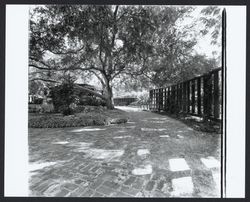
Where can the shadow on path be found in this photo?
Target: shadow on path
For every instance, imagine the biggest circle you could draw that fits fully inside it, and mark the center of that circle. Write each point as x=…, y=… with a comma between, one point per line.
x=150, y=156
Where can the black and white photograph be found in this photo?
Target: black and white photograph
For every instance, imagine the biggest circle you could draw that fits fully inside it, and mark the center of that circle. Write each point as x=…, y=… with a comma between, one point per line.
x=126, y=101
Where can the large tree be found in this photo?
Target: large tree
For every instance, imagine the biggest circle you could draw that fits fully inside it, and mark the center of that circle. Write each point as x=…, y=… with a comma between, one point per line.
x=103, y=41
x=177, y=59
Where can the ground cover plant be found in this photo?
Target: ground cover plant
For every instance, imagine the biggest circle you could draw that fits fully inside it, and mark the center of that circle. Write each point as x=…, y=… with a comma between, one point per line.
x=92, y=116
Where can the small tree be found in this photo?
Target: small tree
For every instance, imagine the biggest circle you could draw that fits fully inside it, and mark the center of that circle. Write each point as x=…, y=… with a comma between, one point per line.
x=63, y=96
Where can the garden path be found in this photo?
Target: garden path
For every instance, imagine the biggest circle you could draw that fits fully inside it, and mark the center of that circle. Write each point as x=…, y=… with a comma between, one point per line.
x=150, y=156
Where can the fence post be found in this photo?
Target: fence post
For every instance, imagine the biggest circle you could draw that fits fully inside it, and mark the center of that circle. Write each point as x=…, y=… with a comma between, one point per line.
x=188, y=96
x=199, y=95
x=207, y=96
x=150, y=97
x=179, y=97
x=160, y=99
x=168, y=101
x=216, y=94
x=193, y=96
x=156, y=99
x=174, y=99
x=185, y=97
x=165, y=99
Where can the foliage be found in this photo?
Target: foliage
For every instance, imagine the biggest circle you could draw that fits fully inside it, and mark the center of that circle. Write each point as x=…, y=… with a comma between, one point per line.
x=211, y=18
x=60, y=122
x=104, y=41
x=47, y=108
x=183, y=70
x=63, y=96
x=34, y=87
x=88, y=118
x=139, y=44
x=38, y=100
x=144, y=98
x=34, y=108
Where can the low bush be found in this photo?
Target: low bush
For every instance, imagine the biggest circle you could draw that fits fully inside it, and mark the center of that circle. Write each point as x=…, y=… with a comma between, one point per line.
x=87, y=109
x=34, y=108
x=92, y=118
x=48, y=121
x=38, y=101
x=47, y=108
x=63, y=96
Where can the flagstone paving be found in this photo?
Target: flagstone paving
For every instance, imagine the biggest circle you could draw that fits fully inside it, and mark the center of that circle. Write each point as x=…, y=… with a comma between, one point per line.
x=150, y=156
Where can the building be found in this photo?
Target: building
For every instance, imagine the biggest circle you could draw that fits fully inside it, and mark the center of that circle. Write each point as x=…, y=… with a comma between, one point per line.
x=124, y=101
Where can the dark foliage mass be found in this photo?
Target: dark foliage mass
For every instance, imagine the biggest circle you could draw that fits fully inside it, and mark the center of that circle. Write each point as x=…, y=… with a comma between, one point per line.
x=63, y=96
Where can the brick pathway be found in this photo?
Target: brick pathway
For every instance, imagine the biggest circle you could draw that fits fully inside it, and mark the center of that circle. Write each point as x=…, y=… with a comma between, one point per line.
x=150, y=156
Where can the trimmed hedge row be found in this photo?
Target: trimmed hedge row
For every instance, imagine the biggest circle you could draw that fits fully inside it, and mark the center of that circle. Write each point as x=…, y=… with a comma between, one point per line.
x=48, y=121
x=80, y=119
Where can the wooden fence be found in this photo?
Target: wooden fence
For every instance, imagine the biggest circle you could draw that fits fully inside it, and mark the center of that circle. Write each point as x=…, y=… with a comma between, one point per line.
x=200, y=96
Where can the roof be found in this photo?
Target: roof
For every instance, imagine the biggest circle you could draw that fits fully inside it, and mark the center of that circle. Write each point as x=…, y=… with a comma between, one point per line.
x=86, y=86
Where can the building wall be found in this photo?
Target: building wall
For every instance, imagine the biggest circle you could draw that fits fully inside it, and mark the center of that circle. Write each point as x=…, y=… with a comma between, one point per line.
x=124, y=101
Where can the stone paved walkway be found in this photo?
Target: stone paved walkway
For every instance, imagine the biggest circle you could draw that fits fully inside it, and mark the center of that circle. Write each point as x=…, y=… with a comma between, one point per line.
x=150, y=156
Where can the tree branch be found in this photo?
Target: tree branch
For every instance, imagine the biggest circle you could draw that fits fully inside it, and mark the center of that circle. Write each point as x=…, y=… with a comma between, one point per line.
x=46, y=80
x=101, y=47
x=114, y=27
x=98, y=77
x=67, y=52
x=38, y=67
x=43, y=63
x=65, y=69
x=110, y=54
x=71, y=67
x=117, y=73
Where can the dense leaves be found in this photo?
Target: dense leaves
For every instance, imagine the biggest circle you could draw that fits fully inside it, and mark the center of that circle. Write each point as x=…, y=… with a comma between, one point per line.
x=141, y=44
x=63, y=96
x=211, y=17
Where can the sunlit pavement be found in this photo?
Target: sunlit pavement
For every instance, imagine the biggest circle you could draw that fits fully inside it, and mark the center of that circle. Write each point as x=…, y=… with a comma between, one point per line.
x=150, y=156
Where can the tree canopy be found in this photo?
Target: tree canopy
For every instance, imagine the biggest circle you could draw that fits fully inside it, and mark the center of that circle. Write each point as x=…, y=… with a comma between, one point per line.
x=142, y=44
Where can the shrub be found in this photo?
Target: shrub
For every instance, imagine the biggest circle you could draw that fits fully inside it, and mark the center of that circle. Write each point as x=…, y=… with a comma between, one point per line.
x=38, y=101
x=47, y=108
x=97, y=116
x=50, y=121
x=87, y=100
x=34, y=108
x=63, y=97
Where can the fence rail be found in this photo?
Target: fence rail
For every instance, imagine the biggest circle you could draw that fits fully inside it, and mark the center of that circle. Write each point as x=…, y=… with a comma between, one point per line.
x=200, y=96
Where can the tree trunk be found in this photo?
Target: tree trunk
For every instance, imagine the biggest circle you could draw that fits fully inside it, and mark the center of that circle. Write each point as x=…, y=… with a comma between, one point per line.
x=109, y=96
